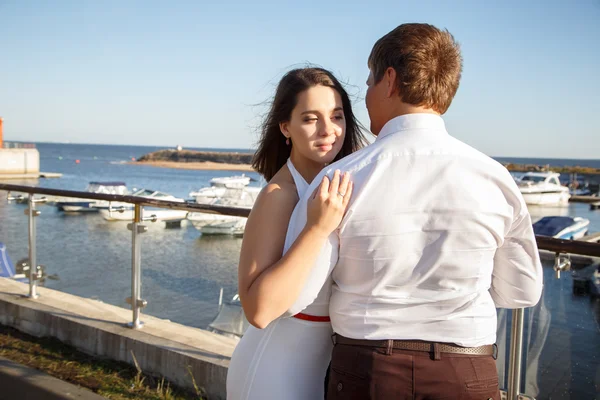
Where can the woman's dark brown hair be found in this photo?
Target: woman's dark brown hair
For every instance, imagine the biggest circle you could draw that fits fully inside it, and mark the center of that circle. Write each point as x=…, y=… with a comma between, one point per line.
x=273, y=152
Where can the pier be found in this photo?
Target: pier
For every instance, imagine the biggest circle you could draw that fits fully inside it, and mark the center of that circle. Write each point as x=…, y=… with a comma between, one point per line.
x=20, y=161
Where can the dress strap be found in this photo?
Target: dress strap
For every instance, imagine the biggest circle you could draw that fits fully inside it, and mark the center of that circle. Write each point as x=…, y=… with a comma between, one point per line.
x=301, y=184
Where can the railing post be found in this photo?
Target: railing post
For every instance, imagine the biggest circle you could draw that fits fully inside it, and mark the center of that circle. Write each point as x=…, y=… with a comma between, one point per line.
x=516, y=354
x=135, y=300
x=31, y=212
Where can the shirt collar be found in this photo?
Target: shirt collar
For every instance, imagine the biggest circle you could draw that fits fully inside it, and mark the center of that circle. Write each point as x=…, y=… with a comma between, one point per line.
x=412, y=121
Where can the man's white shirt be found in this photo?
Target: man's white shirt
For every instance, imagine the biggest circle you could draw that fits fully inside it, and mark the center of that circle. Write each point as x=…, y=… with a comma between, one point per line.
x=436, y=236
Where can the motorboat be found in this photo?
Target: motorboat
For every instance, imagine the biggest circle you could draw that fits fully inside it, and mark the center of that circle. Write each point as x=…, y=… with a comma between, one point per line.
x=120, y=211
x=543, y=188
x=228, y=192
x=218, y=187
x=70, y=204
x=572, y=228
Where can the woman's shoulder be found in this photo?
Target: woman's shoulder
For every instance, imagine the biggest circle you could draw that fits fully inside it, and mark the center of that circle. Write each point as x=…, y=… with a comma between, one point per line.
x=281, y=188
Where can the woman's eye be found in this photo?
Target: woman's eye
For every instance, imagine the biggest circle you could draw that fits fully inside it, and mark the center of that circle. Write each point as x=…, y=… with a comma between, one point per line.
x=309, y=119
x=339, y=117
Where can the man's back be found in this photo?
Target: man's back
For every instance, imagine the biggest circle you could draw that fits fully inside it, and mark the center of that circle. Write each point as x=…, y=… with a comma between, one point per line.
x=421, y=240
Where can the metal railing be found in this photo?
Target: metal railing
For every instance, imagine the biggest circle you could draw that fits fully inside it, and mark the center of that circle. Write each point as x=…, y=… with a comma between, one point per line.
x=558, y=246
x=136, y=226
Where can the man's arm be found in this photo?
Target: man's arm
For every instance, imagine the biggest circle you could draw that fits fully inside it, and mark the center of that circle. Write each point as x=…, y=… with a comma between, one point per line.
x=517, y=278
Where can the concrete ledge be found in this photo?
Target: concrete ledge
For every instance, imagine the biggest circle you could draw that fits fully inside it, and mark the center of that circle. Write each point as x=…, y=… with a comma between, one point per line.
x=161, y=347
x=20, y=382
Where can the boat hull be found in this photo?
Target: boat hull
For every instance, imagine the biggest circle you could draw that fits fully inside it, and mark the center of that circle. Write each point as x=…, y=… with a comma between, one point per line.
x=559, y=198
x=78, y=206
x=161, y=215
x=234, y=228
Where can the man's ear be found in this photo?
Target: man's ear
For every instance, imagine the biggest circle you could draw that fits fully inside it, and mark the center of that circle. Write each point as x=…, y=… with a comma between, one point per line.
x=390, y=79
x=284, y=128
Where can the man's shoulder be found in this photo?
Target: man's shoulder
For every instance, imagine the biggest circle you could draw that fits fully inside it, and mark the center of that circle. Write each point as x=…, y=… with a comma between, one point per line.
x=480, y=159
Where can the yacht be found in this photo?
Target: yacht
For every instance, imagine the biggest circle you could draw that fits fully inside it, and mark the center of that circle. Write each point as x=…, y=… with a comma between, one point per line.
x=571, y=228
x=228, y=191
x=543, y=188
x=218, y=187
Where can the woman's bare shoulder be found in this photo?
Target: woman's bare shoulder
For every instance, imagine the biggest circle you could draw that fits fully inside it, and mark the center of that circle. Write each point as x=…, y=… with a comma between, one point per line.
x=281, y=188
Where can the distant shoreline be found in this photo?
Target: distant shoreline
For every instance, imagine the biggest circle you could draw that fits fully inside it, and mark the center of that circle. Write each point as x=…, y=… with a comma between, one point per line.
x=201, y=166
x=235, y=161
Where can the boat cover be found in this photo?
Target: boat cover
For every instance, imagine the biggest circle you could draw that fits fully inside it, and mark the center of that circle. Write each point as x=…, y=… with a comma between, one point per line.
x=550, y=226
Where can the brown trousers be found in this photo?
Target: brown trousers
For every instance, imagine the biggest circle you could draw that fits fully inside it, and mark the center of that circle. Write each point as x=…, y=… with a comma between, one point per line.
x=375, y=374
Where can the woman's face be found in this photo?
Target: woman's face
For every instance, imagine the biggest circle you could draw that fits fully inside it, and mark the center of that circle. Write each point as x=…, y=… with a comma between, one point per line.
x=317, y=126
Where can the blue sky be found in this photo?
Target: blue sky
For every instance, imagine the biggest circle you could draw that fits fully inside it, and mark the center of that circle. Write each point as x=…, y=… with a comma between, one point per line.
x=189, y=73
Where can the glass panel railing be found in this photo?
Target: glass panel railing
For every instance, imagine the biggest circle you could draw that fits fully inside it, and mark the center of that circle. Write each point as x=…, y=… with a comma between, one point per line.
x=561, y=342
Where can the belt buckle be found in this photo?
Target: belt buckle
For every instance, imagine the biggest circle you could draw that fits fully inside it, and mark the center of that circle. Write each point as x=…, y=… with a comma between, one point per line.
x=495, y=353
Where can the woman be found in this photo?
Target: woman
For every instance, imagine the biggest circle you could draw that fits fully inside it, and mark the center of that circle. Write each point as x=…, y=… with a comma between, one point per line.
x=310, y=124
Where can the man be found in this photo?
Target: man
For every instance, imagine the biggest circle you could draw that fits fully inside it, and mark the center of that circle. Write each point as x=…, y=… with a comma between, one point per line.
x=436, y=236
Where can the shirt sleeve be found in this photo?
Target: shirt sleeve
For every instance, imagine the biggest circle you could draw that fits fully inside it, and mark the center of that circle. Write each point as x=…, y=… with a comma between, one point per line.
x=517, y=277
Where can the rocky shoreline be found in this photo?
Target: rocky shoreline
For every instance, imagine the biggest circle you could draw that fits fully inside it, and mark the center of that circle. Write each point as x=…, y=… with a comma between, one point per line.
x=544, y=168
x=191, y=156
x=191, y=159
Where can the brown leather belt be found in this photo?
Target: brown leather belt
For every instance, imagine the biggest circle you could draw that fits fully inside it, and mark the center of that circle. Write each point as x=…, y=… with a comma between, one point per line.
x=419, y=345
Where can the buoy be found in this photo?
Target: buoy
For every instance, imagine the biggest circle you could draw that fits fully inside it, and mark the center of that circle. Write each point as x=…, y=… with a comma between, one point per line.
x=132, y=158
x=76, y=161
x=60, y=157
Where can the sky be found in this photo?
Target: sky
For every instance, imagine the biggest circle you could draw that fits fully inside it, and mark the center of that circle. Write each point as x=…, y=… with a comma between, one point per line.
x=199, y=73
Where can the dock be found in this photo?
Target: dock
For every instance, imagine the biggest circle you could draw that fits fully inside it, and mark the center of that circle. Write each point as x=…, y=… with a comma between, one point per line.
x=584, y=199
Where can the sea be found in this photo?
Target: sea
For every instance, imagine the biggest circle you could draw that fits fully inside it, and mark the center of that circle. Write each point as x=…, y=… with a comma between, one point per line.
x=183, y=271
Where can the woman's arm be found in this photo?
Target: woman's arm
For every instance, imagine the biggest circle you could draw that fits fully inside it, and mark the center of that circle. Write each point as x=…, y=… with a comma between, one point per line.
x=269, y=283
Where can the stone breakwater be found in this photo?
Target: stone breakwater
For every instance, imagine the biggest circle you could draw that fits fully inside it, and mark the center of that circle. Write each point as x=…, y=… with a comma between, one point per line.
x=190, y=156
x=566, y=169
x=245, y=159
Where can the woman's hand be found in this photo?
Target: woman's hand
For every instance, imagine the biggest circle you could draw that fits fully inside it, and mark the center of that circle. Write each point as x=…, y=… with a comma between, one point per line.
x=328, y=203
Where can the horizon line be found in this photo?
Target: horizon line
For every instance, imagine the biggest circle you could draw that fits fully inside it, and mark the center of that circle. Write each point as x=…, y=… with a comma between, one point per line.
x=252, y=149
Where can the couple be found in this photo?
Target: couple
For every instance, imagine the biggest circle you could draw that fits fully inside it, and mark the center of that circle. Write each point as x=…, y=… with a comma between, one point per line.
x=379, y=276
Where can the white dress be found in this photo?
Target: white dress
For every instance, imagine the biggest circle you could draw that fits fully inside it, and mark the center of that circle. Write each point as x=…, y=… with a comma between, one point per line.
x=289, y=358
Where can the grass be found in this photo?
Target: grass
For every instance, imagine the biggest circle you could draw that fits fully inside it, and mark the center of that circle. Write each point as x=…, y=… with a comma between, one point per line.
x=111, y=379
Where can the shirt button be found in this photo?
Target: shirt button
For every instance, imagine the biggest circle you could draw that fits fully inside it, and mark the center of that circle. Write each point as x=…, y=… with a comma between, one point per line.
x=340, y=387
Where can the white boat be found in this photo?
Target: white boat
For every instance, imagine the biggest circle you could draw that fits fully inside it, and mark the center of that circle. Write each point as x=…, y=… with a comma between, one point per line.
x=543, y=188
x=218, y=187
x=71, y=204
x=118, y=211
x=233, y=227
x=229, y=191
x=160, y=214
x=571, y=228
